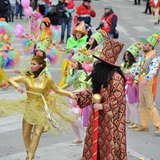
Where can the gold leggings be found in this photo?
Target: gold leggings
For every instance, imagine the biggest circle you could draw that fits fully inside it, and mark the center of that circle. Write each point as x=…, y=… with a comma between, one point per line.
x=31, y=141
x=3, y=76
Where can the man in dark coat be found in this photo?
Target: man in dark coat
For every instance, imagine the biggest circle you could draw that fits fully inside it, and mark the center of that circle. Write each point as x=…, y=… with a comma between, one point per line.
x=4, y=7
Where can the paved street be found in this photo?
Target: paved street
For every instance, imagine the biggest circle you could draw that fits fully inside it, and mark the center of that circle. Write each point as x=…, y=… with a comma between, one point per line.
x=132, y=25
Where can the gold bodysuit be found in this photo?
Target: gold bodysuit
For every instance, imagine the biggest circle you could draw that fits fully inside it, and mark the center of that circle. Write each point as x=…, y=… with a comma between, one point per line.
x=32, y=107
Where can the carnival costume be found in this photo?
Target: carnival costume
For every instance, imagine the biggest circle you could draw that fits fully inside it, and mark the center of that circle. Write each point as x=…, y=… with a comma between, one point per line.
x=111, y=128
x=77, y=79
x=35, y=22
x=46, y=36
x=71, y=47
x=32, y=108
x=9, y=57
x=99, y=37
x=25, y=64
x=147, y=69
x=132, y=94
x=72, y=43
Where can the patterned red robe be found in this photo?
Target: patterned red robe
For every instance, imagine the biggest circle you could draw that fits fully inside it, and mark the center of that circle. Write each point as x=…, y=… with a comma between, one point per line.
x=112, y=126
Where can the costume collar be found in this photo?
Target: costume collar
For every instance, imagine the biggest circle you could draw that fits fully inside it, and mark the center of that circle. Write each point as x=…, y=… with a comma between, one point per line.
x=149, y=54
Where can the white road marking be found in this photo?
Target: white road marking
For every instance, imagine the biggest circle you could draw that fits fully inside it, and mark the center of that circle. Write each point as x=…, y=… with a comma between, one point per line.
x=133, y=39
x=142, y=29
x=10, y=123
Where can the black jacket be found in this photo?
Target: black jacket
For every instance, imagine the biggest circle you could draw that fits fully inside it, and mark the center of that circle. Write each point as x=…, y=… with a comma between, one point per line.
x=60, y=8
x=53, y=15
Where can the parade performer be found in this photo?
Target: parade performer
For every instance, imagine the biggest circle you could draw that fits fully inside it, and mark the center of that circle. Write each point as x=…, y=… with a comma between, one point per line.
x=77, y=40
x=47, y=35
x=109, y=82
x=35, y=22
x=38, y=86
x=65, y=65
x=79, y=37
x=40, y=50
x=73, y=43
x=76, y=76
x=95, y=41
x=93, y=47
x=148, y=68
x=9, y=56
x=132, y=90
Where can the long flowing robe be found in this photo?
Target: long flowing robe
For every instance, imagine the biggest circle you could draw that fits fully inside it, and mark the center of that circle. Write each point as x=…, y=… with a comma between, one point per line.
x=112, y=127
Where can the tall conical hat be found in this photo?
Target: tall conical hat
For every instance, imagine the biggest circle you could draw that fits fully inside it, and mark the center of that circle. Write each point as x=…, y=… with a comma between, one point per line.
x=80, y=28
x=110, y=52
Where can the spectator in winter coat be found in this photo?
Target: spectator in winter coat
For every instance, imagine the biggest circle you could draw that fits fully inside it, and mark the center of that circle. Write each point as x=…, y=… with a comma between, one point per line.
x=84, y=12
x=64, y=21
x=19, y=9
x=108, y=21
x=4, y=7
x=53, y=15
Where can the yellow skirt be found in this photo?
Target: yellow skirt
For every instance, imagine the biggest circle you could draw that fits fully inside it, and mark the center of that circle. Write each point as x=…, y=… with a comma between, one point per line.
x=34, y=113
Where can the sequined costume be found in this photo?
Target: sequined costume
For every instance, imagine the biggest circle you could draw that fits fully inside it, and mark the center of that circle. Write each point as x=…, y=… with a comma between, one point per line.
x=33, y=111
x=42, y=84
x=76, y=79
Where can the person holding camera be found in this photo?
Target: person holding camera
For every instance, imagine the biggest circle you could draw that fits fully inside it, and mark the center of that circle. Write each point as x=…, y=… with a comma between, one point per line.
x=108, y=22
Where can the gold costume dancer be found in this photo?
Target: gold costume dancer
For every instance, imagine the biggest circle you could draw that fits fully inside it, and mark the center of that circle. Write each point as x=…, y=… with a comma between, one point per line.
x=32, y=108
x=148, y=68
